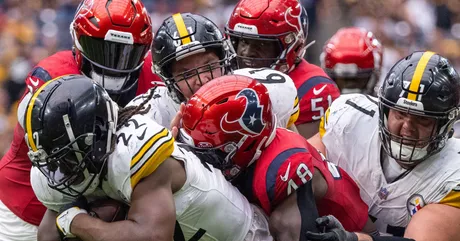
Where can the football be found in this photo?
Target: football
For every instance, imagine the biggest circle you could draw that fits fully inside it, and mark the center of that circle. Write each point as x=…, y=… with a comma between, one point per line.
x=108, y=210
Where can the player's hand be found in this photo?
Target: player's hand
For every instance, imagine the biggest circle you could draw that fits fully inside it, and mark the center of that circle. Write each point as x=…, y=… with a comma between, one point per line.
x=67, y=214
x=334, y=231
x=175, y=123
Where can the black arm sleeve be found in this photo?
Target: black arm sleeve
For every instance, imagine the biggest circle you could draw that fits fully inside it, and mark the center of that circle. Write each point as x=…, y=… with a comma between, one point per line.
x=390, y=238
x=307, y=208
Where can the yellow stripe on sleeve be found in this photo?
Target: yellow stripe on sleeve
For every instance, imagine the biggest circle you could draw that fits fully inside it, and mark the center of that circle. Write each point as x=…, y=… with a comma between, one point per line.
x=154, y=152
x=452, y=199
x=295, y=115
x=323, y=122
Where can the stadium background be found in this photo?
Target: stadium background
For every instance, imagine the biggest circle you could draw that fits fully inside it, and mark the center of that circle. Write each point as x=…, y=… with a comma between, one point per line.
x=34, y=29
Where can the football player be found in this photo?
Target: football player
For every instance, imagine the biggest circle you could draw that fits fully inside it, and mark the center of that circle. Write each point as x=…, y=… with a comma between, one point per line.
x=231, y=118
x=111, y=46
x=188, y=51
x=353, y=59
x=398, y=147
x=273, y=34
x=82, y=145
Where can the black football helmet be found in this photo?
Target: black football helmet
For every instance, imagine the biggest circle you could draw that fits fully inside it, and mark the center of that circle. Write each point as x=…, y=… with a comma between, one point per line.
x=182, y=35
x=70, y=126
x=423, y=84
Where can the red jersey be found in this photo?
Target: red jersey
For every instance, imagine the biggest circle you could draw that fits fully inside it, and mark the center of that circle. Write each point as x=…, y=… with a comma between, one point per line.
x=286, y=165
x=315, y=90
x=15, y=189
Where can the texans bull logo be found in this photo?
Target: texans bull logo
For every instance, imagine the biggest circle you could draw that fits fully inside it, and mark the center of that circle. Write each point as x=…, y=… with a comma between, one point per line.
x=250, y=123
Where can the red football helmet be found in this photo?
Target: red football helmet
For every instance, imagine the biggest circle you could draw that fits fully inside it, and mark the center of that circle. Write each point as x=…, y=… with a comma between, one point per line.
x=111, y=39
x=282, y=21
x=353, y=58
x=230, y=116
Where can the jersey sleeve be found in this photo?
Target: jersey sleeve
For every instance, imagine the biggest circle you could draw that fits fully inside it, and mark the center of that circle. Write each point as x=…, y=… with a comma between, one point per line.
x=452, y=198
x=289, y=170
x=149, y=153
x=161, y=108
x=282, y=91
x=34, y=80
x=350, y=117
x=316, y=95
x=142, y=146
x=295, y=113
x=50, y=198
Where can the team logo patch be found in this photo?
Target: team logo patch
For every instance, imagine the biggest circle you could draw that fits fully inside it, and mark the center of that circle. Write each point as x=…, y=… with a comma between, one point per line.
x=415, y=203
x=250, y=123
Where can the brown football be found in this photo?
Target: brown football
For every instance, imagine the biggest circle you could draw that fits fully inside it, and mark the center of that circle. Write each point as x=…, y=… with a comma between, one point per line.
x=108, y=210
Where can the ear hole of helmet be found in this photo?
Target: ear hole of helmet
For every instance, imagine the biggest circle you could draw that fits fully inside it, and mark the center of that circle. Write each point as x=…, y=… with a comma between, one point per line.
x=222, y=101
x=94, y=21
x=250, y=146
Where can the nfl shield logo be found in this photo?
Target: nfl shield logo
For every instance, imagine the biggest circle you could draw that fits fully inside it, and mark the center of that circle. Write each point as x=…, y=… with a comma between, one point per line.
x=383, y=193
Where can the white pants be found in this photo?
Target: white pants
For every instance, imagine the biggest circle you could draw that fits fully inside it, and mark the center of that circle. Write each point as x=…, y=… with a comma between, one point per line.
x=259, y=230
x=13, y=228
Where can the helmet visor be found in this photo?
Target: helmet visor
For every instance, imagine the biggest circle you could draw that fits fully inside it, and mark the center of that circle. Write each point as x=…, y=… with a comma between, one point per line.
x=113, y=55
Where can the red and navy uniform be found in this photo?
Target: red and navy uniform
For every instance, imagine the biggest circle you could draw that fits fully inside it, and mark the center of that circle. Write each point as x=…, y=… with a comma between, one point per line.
x=288, y=163
x=315, y=90
x=15, y=189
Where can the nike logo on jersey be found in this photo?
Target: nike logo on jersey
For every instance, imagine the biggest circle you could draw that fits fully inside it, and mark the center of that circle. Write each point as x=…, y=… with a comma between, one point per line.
x=34, y=82
x=141, y=137
x=317, y=92
x=286, y=175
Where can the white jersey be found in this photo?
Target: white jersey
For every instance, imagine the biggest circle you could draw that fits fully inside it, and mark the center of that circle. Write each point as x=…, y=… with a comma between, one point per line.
x=162, y=107
x=350, y=132
x=281, y=88
x=282, y=91
x=206, y=202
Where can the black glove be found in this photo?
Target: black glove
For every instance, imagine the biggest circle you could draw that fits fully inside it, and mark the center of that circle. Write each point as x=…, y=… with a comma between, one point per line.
x=333, y=231
x=67, y=213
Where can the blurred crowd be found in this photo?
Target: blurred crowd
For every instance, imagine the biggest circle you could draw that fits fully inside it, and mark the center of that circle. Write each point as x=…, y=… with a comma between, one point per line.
x=33, y=29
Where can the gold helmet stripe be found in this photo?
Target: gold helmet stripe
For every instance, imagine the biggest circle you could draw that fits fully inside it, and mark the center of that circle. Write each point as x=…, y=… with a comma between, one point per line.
x=28, y=119
x=181, y=28
x=418, y=74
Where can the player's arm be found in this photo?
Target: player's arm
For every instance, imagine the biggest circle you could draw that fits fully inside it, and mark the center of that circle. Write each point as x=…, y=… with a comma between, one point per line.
x=46, y=230
x=294, y=208
x=295, y=215
x=309, y=129
x=317, y=143
x=151, y=216
x=435, y=222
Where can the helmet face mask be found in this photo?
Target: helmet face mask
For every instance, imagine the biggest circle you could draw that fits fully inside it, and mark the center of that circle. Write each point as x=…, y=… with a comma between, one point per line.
x=187, y=77
x=70, y=145
x=183, y=36
x=67, y=169
x=257, y=52
x=110, y=44
x=418, y=105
